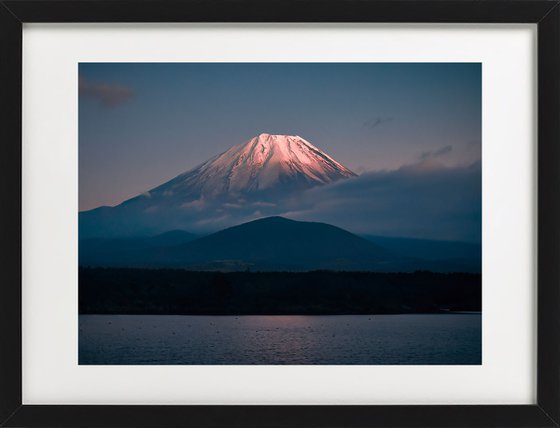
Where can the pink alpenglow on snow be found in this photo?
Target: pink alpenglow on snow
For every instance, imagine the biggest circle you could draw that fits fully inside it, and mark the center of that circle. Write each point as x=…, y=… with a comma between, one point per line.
x=265, y=162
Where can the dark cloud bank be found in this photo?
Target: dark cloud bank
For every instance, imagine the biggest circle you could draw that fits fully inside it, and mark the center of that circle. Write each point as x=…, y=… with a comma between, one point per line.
x=424, y=200
x=421, y=200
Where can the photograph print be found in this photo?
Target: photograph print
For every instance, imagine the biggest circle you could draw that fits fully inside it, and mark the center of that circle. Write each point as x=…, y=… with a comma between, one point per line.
x=280, y=213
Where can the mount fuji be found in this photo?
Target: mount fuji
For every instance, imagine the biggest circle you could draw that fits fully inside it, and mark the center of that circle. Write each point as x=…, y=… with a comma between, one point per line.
x=247, y=181
x=264, y=163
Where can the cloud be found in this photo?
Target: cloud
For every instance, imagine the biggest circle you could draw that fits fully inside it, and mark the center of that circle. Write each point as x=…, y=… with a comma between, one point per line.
x=196, y=204
x=374, y=122
x=108, y=95
x=263, y=204
x=425, y=199
x=214, y=221
x=434, y=154
x=232, y=205
x=422, y=200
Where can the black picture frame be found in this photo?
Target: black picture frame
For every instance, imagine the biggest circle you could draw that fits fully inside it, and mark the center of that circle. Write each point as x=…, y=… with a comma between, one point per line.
x=546, y=14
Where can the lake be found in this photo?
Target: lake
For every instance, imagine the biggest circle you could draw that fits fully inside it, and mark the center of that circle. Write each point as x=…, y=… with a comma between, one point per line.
x=342, y=339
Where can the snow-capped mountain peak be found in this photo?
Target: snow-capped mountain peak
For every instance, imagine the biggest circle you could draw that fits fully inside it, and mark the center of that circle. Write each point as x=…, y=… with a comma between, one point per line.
x=264, y=163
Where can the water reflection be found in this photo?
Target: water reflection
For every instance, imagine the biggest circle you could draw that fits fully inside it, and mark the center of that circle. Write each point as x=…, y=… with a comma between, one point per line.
x=294, y=339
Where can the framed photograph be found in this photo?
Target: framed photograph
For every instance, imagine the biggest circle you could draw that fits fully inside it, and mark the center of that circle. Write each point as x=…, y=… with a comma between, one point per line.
x=281, y=213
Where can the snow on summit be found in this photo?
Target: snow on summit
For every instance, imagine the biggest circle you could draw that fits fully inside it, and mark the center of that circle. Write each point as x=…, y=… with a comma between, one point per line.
x=264, y=163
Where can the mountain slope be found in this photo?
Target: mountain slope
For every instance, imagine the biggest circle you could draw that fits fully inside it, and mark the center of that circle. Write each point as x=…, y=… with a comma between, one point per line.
x=279, y=243
x=248, y=181
x=276, y=243
x=273, y=243
x=128, y=251
x=265, y=162
x=437, y=255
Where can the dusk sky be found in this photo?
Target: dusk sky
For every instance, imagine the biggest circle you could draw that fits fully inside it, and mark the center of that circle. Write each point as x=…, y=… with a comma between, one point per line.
x=143, y=124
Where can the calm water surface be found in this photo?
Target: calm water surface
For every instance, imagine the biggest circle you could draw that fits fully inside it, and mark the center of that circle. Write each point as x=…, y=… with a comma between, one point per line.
x=345, y=339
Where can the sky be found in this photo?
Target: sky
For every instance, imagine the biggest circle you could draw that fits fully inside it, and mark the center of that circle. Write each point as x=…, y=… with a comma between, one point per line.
x=143, y=124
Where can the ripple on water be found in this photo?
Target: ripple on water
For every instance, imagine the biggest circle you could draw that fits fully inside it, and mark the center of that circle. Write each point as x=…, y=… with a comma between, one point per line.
x=345, y=339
